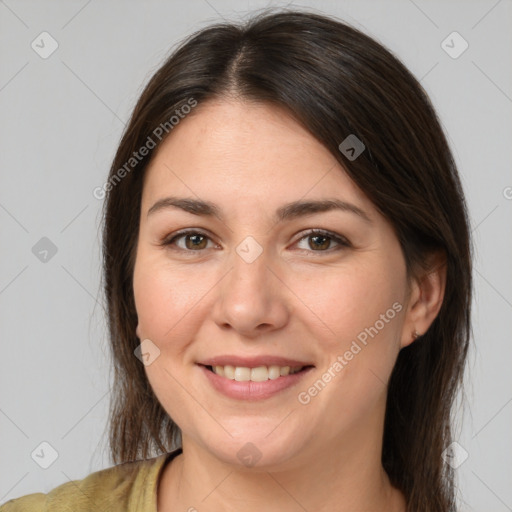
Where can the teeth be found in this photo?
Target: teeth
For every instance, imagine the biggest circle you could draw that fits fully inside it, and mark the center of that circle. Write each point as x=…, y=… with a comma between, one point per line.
x=258, y=374
x=229, y=371
x=274, y=372
x=242, y=374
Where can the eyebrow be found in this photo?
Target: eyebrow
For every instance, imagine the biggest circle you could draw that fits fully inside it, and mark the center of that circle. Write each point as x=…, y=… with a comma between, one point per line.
x=288, y=211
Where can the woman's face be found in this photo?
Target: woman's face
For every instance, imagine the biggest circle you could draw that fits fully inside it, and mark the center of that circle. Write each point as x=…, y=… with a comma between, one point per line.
x=251, y=287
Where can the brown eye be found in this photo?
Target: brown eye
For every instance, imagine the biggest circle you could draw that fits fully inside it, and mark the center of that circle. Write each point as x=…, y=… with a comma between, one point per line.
x=320, y=241
x=194, y=241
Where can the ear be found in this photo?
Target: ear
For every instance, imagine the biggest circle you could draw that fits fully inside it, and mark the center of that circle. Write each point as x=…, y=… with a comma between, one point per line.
x=425, y=298
x=137, y=331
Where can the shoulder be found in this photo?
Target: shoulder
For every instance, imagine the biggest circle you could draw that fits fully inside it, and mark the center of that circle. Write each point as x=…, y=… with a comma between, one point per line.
x=128, y=486
x=28, y=503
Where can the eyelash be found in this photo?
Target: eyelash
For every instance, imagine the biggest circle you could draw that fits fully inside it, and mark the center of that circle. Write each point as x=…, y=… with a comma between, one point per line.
x=341, y=241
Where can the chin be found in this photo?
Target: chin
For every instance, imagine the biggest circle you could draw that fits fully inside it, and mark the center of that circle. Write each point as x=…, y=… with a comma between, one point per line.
x=256, y=450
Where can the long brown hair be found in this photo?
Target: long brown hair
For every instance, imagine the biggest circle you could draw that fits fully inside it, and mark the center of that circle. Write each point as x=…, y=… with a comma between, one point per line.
x=336, y=81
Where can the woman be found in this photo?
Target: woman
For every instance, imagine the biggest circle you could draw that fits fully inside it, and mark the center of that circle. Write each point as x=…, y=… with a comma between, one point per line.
x=287, y=268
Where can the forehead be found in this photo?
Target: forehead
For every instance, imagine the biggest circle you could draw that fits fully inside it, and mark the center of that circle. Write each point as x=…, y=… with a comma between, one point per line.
x=231, y=151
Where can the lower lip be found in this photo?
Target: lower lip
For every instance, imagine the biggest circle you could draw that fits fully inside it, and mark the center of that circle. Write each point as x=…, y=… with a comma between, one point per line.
x=249, y=390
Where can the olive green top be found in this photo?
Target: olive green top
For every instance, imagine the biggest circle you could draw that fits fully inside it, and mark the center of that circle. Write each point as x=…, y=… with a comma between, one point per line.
x=127, y=487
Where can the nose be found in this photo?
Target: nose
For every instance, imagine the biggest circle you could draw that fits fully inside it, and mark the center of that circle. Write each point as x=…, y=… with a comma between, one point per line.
x=252, y=299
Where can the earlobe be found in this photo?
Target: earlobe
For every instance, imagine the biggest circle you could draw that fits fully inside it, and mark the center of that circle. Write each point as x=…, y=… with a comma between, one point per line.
x=426, y=299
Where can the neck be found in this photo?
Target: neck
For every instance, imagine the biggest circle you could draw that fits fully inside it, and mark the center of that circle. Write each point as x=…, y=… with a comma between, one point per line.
x=344, y=476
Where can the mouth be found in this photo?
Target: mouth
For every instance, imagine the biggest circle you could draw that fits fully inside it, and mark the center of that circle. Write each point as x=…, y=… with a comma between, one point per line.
x=255, y=382
x=255, y=374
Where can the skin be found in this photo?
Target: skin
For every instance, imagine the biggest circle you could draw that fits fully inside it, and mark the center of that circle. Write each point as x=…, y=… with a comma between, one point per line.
x=298, y=299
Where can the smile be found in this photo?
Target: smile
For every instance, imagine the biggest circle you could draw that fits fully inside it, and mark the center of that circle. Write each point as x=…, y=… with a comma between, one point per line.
x=258, y=374
x=256, y=383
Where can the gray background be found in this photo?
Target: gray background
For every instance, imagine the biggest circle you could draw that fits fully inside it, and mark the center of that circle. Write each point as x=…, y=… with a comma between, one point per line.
x=61, y=119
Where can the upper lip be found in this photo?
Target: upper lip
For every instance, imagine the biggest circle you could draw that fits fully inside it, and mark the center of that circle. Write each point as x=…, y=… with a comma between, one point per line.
x=252, y=362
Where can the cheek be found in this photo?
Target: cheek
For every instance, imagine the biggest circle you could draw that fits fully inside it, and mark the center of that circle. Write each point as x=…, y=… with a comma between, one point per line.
x=358, y=350
x=164, y=299
x=363, y=311
x=345, y=302
x=167, y=306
